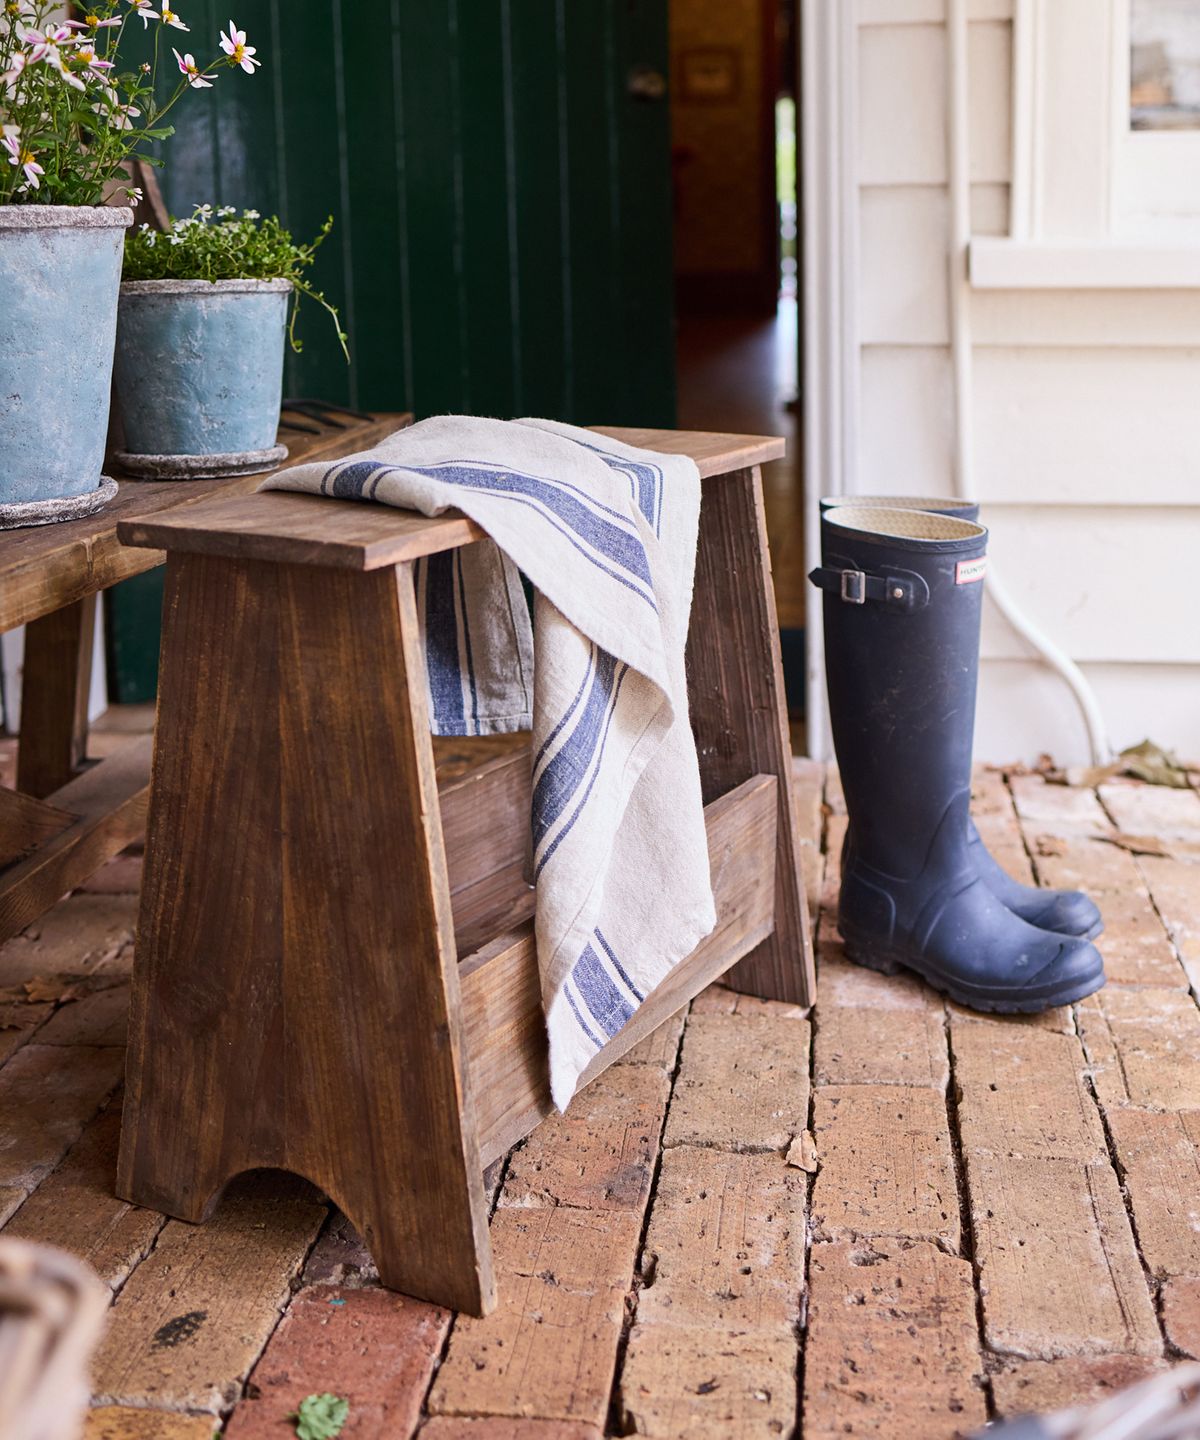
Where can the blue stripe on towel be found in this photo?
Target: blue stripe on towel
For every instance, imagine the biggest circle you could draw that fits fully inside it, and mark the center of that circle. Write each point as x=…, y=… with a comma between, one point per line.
x=442, y=660
x=566, y=771
x=570, y=824
x=571, y=708
x=605, y=1002
x=617, y=966
x=645, y=480
x=583, y=1025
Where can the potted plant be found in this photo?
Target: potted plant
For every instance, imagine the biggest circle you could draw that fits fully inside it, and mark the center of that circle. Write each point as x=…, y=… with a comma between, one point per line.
x=72, y=119
x=203, y=315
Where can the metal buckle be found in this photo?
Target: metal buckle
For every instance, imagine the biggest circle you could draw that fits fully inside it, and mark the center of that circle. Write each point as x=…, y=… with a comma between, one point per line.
x=854, y=587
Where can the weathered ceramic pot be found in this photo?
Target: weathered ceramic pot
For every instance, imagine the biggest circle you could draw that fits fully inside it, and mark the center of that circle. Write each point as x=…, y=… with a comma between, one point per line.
x=199, y=375
x=60, y=269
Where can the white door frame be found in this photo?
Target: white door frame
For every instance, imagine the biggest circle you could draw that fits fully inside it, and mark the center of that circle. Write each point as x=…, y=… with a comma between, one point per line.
x=830, y=364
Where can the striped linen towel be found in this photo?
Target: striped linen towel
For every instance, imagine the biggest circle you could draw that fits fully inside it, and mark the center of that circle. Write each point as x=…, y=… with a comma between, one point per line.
x=607, y=535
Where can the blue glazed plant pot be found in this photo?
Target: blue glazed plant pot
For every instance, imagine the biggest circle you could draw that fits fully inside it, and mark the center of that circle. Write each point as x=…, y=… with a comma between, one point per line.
x=199, y=376
x=60, y=269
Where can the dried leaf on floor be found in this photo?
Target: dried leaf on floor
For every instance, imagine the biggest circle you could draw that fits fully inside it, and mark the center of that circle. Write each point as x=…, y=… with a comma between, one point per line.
x=802, y=1153
x=1154, y=765
x=1049, y=845
x=59, y=988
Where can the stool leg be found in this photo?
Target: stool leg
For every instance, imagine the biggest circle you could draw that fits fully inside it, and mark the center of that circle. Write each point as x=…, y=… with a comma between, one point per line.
x=296, y=999
x=54, y=697
x=739, y=712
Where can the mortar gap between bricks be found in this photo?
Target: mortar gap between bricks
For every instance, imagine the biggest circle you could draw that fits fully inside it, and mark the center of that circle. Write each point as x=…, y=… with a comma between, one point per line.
x=814, y=1022
x=1114, y=1159
x=966, y=1227
x=617, y=1423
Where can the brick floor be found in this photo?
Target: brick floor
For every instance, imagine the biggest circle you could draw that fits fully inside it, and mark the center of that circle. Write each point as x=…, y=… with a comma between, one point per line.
x=889, y=1217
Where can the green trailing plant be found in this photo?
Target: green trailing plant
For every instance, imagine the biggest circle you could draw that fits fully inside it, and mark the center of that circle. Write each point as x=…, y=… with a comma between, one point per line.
x=223, y=245
x=73, y=112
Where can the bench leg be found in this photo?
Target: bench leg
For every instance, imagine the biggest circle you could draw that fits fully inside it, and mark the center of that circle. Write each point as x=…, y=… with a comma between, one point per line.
x=739, y=711
x=295, y=996
x=56, y=681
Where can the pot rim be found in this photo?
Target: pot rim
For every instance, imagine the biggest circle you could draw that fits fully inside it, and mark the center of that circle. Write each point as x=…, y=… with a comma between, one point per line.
x=205, y=287
x=65, y=217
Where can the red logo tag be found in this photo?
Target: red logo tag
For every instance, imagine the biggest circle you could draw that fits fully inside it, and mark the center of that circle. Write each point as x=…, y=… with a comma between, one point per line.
x=966, y=572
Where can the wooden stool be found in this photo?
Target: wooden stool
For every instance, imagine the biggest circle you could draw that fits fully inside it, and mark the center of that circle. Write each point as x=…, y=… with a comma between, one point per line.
x=335, y=970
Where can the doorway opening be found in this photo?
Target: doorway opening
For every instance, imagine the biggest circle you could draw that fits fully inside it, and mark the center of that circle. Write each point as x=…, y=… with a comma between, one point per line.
x=734, y=151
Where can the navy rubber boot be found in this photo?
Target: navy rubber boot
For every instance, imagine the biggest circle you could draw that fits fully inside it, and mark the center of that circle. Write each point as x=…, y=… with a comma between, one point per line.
x=1070, y=912
x=902, y=613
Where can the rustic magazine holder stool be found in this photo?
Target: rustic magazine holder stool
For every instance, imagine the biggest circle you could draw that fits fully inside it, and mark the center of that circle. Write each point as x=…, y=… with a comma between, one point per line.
x=335, y=970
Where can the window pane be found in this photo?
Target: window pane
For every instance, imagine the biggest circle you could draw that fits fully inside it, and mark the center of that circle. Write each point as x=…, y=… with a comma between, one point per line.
x=1164, y=64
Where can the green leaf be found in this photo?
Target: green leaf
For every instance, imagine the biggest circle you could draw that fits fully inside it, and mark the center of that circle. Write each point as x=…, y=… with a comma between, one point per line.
x=320, y=1417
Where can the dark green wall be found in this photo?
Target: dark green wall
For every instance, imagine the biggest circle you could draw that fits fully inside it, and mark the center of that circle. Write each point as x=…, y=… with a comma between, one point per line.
x=502, y=204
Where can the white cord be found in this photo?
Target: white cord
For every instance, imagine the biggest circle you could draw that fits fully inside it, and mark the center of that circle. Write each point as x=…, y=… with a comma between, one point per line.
x=957, y=124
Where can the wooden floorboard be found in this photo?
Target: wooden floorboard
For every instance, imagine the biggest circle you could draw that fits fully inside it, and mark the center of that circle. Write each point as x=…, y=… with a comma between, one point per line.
x=888, y=1216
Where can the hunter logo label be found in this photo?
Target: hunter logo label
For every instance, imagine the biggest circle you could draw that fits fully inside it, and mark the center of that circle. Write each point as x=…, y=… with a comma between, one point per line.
x=966, y=572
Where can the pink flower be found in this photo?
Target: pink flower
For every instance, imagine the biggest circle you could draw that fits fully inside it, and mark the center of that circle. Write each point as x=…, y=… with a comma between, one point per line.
x=234, y=45
x=23, y=158
x=187, y=66
x=85, y=54
x=44, y=45
x=169, y=16
x=19, y=61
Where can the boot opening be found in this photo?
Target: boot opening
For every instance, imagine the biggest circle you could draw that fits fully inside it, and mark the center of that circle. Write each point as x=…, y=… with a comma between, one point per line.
x=907, y=524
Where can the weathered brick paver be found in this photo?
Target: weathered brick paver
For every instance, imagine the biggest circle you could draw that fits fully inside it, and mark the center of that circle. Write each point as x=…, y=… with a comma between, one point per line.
x=1021, y=1091
x=1058, y=1270
x=600, y=1155
x=1180, y=1301
x=742, y=1084
x=195, y=1314
x=1175, y=888
x=549, y=1349
x=886, y=1165
x=860, y=1045
x=1159, y=1154
x=681, y=1382
x=46, y=1099
x=76, y=1207
x=374, y=1349
x=725, y=1243
x=499, y=1427
x=1032, y=1387
x=1143, y=1047
x=892, y=1346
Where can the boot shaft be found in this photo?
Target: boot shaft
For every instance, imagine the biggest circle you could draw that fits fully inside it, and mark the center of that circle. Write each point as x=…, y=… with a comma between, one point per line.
x=902, y=608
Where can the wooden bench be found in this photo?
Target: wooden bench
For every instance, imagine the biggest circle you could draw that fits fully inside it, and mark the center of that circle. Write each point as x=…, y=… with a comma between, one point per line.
x=67, y=817
x=335, y=970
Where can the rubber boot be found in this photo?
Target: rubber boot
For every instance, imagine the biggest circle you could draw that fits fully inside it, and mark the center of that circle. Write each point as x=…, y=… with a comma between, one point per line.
x=902, y=614
x=1070, y=912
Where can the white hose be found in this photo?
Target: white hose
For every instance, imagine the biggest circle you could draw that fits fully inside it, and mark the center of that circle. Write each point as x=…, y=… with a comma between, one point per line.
x=957, y=125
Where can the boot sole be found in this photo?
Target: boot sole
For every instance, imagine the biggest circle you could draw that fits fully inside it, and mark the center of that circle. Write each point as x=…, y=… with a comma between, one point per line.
x=887, y=961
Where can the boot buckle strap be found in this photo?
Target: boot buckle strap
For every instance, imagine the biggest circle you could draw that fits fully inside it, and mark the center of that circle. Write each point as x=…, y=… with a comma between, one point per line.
x=906, y=591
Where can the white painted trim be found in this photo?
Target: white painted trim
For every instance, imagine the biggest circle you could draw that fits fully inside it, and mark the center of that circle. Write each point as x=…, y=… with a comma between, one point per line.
x=997, y=263
x=830, y=380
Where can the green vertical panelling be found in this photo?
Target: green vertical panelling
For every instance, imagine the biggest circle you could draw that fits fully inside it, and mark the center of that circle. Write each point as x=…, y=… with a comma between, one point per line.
x=536, y=199
x=491, y=321
x=502, y=205
x=642, y=173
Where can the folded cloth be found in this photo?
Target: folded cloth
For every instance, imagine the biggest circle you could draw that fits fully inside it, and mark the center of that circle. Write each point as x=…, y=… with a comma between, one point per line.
x=607, y=535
